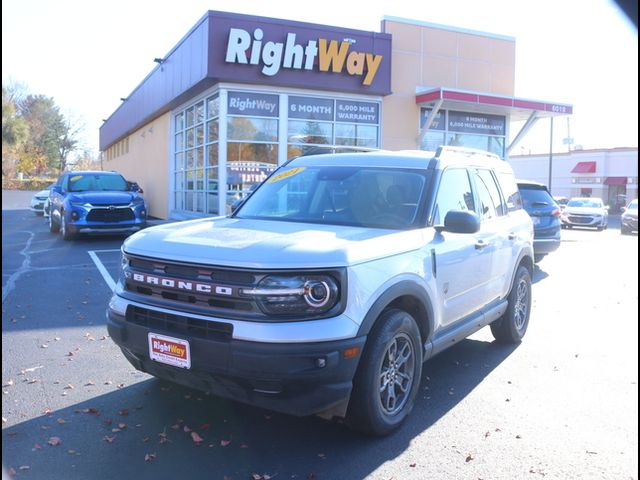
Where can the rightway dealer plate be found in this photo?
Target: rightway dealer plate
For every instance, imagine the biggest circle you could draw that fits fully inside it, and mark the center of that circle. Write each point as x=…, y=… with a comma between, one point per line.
x=169, y=350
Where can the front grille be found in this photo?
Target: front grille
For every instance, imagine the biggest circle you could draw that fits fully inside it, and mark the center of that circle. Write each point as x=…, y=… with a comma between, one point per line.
x=110, y=204
x=110, y=215
x=162, y=322
x=580, y=219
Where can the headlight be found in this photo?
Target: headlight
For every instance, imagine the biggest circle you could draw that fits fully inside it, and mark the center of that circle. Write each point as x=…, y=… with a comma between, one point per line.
x=80, y=204
x=137, y=201
x=299, y=294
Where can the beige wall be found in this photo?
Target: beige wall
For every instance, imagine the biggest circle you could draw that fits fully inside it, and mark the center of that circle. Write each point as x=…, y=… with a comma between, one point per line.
x=428, y=57
x=142, y=157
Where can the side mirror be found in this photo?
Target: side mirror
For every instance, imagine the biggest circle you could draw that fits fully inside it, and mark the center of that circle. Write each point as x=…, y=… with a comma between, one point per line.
x=56, y=189
x=623, y=209
x=461, y=221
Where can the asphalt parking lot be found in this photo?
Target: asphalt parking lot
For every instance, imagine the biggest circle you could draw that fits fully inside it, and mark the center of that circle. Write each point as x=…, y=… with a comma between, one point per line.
x=563, y=404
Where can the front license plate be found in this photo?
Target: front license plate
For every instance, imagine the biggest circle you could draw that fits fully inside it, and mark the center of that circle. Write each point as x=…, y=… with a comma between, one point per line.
x=169, y=350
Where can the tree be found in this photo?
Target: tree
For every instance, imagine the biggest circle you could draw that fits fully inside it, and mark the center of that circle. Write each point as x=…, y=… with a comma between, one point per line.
x=15, y=131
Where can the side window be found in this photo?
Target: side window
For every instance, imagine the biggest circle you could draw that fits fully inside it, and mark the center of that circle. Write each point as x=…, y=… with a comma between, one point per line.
x=454, y=193
x=510, y=191
x=486, y=178
x=486, y=208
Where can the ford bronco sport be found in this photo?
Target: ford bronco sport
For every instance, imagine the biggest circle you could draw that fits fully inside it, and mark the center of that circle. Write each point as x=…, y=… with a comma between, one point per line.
x=329, y=287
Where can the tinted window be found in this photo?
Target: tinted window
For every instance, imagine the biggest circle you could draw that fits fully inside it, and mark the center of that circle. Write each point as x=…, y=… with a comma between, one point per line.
x=487, y=206
x=454, y=193
x=510, y=191
x=535, y=197
x=486, y=178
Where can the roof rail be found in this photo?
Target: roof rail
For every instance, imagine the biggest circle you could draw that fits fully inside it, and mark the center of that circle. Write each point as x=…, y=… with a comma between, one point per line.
x=446, y=149
x=320, y=149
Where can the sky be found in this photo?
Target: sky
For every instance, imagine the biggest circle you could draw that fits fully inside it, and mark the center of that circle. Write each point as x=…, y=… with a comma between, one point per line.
x=87, y=55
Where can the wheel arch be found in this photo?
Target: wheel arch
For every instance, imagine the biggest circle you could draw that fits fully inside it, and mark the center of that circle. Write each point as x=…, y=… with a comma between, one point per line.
x=408, y=296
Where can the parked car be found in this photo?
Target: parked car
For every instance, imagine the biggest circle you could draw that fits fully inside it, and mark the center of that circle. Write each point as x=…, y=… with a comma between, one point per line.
x=39, y=199
x=545, y=214
x=94, y=203
x=561, y=201
x=325, y=291
x=629, y=218
x=585, y=212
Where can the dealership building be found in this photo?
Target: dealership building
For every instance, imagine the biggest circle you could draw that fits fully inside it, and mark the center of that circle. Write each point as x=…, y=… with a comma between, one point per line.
x=239, y=95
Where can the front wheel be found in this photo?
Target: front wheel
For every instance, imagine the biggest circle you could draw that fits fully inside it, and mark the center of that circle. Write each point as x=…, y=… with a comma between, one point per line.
x=388, y=377
x=53, y=226
x=65, y=232
x=511, y=327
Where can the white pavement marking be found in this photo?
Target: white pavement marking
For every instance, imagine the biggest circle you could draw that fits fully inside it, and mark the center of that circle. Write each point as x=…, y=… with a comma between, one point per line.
x=103, y=271
x=26, y=263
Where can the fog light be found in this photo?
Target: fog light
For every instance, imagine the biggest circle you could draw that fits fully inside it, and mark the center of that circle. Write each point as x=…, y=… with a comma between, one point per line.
x=75, y=215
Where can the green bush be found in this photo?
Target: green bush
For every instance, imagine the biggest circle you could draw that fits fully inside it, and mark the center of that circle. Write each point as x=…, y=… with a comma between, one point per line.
x=34, y=184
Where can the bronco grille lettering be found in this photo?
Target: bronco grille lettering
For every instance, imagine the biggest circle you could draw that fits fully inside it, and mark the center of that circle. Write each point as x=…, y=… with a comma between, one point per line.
x=167, y=282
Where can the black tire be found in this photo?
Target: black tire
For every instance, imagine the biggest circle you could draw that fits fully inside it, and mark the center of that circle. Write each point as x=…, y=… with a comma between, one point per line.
x=600, y=228
x=511, y=327
x=53, y=226
x=374, y=409
x=65, y=232
x=538, y=257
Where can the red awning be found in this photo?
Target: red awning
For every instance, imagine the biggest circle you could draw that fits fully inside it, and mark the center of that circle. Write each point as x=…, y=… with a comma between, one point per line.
x=584, y=167
x=615, y=181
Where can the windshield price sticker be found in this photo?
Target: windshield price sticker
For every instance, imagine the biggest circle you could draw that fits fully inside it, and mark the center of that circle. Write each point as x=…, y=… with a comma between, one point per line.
x=285, y=174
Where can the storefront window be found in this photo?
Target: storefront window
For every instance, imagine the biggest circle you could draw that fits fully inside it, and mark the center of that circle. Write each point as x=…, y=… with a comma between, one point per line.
x=196, y=156
x=464, y=129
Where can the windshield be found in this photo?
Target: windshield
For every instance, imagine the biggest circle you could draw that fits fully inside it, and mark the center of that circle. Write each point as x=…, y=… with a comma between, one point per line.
x=357, y=196
x=97, y=182
x=633, y=205
x=585, y=202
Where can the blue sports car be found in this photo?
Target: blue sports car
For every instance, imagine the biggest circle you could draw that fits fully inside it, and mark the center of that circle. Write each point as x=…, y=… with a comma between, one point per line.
x=94, y=203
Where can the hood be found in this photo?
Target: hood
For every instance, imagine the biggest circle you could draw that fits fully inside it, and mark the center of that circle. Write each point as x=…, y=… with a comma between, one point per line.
x=267, y=244
x=42, y=193
x=630, y=213
x=108, y=197
x=584, y=211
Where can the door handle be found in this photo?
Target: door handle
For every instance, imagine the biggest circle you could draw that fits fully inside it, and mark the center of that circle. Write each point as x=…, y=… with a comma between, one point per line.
x=480, y=244
x=512, y=236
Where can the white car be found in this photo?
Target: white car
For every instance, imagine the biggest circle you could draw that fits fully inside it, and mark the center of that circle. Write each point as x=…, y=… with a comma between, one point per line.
x=39, y=199
x=327, y=289
x=585, y=212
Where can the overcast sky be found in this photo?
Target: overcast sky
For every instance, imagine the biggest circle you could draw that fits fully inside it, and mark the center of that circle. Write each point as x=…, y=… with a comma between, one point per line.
x=87, y=55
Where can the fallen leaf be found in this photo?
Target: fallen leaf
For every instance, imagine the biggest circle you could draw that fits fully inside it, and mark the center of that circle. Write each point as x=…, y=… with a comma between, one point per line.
x=592, y=453
x=72, y=452
x=32, y=381
x=163, y=438
x=4, y=420
x=205, y=426
x=412, y=465
x=518, y=436
x=91, y=411
x=108, y=382
x=32, y=369
x=243, y=445
x=109, y=439
x=104, y=337
x=44, y=345
x=487, y=434
x=57, y=339
x=122, y=425
x=89, y=383
x=123, y=411
x=70, y=354
x=186, y=429
x=24, y=467
x=9, y=383
x=145, y=440
x=469, y=457
x=12, y=472
x=120, y=385
x=69, y=387
x=61, y=421
x=54, y=441
x=224, y=443
x=175, y=427
x=46, y=411
x=37, y=446
x=115, y=430
x=322, y=456
x=149, y=457
x=107, y=422
x=196, y=438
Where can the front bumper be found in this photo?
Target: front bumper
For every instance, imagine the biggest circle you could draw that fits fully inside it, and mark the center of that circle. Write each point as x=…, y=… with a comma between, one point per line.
x=584, y=221
x=293, y=378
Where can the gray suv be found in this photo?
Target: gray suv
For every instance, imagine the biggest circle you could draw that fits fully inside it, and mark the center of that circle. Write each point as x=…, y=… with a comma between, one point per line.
x=328, y=288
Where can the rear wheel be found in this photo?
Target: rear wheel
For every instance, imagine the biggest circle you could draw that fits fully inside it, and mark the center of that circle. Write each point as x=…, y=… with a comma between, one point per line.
x=388, y=378
x=53, y=226
x=511, y=327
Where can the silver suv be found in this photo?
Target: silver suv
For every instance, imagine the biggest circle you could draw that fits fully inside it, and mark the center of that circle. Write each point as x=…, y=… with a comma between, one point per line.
x=335, y=280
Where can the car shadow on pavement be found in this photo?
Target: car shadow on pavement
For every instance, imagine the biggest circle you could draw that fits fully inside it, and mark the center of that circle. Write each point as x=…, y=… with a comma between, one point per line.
x=538, y=274
x=154, y=429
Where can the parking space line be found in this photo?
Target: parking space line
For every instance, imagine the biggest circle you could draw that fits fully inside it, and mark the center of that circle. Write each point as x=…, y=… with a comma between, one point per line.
x=103, y=271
